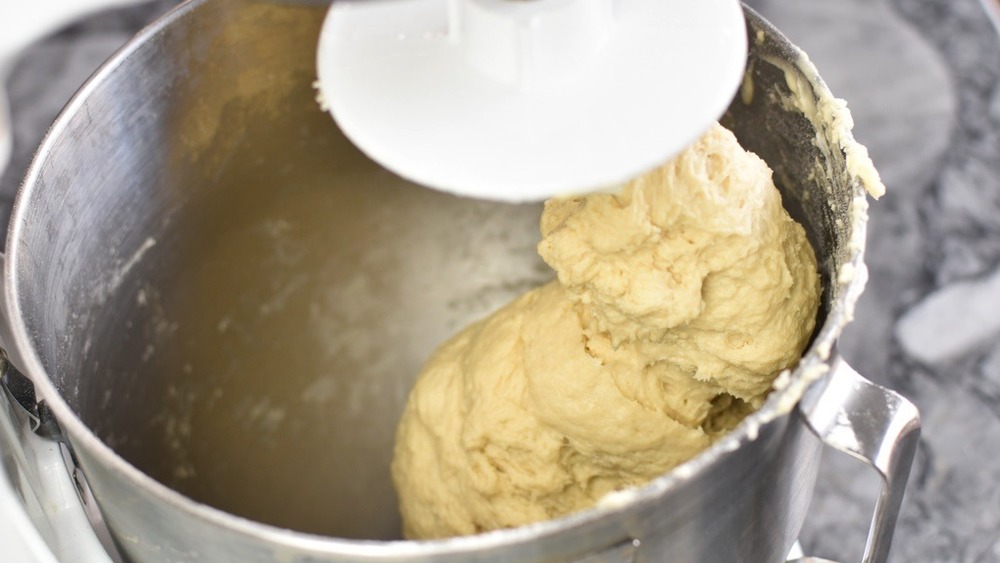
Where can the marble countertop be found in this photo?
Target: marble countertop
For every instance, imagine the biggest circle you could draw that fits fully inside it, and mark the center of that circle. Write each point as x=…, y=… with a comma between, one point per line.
x=922, y=78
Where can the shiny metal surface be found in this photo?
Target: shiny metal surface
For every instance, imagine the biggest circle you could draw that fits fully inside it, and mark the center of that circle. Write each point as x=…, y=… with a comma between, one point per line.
x=875, y=425
x=225, y=304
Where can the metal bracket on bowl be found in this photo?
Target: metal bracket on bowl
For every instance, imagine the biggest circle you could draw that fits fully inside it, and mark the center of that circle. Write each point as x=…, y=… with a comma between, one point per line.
x=54, y=496
x=21, y=393
x=875, y=425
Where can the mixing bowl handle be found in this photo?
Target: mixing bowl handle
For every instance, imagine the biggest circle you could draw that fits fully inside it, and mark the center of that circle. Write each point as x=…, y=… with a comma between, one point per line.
x=874, y=424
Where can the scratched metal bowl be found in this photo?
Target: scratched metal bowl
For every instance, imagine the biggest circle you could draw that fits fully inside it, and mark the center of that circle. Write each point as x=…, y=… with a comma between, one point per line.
x=225, y=305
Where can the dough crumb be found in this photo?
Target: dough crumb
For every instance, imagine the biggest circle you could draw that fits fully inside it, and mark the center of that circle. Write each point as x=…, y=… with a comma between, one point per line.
x=678, y=300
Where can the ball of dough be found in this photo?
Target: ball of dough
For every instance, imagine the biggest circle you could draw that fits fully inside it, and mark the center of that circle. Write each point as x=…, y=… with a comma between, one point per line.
x=678, y=300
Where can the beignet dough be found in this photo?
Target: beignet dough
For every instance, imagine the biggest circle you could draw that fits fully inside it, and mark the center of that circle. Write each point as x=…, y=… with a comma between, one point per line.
x=678, y=300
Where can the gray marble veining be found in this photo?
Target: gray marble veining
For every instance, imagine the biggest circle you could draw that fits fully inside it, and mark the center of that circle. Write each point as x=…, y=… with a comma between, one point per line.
x=922, y=78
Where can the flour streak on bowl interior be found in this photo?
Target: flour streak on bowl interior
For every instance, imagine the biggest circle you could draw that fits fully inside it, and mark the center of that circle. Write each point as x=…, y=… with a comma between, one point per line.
x=272, y=331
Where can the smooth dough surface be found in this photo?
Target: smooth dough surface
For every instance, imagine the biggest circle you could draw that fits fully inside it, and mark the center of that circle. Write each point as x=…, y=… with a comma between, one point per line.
x=678, y=300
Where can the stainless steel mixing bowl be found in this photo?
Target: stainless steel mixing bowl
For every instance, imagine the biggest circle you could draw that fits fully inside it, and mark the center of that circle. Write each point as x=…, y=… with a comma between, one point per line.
x=222, y=304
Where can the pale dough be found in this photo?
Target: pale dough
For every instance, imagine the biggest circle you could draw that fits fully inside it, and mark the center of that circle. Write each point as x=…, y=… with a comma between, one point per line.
x=679, y=299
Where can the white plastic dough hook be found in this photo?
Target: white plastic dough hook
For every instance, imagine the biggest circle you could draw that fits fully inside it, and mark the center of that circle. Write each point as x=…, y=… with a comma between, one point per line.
x=521, y=100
